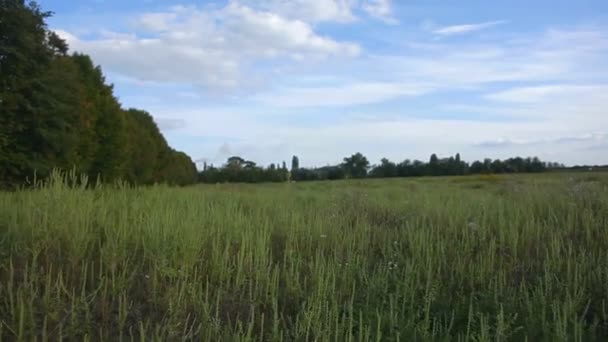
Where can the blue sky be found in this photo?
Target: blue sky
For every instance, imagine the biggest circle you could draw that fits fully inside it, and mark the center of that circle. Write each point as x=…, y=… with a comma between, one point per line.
x=322, y=79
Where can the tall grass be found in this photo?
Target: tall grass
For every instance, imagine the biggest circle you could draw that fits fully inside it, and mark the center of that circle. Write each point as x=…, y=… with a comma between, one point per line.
x=509, y=259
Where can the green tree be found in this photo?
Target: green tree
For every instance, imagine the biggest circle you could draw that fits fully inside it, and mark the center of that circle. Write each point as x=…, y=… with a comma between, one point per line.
x=111, y=156
x=356, y=165
x=146, y=146
x=295, y=163
x=179, y=168
x=56, y=111
x=24, y=61
x=385, y=169
x=434, y=167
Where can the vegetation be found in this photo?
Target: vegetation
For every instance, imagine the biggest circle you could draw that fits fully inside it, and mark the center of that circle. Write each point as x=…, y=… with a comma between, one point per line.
x=489, y=257
x=86, y=255
x=56, y=111
x=357, y=166
x=238, y=169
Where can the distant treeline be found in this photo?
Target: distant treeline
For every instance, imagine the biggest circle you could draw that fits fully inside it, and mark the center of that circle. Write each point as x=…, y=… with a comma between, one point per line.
x=56, y=111
x=238, y=169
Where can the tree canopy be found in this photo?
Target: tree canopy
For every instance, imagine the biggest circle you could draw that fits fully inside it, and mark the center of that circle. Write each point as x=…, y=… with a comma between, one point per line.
x=57, y=111
x=357, y=166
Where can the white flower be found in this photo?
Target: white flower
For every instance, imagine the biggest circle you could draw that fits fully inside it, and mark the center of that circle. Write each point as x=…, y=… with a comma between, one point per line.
x=473, y=226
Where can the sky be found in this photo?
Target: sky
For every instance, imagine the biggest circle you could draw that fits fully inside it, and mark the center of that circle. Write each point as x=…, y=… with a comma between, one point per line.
x=323, y=79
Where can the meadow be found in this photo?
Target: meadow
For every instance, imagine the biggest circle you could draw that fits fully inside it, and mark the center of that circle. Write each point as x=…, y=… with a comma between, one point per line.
x=474, y=258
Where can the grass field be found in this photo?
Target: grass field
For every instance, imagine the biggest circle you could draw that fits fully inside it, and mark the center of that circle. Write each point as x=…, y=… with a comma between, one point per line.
x=484, y=258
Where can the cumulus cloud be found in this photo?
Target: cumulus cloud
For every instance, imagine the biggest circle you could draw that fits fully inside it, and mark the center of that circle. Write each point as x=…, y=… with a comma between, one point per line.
x=431, y=68
x=316, y=11
x=340, y=11
x=381, y=9
x=210, y=48
x=269, y=34
x=548, y=87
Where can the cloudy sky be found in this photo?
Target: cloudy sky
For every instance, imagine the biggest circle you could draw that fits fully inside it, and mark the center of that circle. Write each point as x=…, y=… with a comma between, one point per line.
x=322, y=79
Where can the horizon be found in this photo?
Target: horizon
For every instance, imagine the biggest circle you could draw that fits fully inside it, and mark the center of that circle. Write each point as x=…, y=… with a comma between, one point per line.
x=324, y=79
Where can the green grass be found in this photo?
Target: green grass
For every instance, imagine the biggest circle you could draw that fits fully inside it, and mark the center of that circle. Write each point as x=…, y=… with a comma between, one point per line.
x=484, y=258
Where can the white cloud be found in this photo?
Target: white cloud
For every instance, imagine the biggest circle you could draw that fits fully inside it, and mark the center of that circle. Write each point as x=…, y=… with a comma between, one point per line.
x=554, y=56
x=266, y=33
x=381, y=9
x=316, y=11
x=157, y=22
x=557, y=92
x=550, y=57
x=547, y=88
x=165, y=124
x=308, y=10
x=466, y=28
x=396, y=139
x=341, y=96
x=209, y=48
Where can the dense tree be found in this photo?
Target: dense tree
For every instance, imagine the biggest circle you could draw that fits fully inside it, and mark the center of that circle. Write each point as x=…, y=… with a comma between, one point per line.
x=443, y=167
x=295, y=163
x=237, y=169
x=434, y=168
x=178, y=169
x=385, y=169
x=476, y=167
x=57, y=111
x=25, y=60
x=146, y=148
x=356, y=166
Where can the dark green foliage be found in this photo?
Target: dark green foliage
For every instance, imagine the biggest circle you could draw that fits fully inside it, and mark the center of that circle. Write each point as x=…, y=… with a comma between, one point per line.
x=385, y=169
x=356, y=166
x=146, y=148
x=239, y=170
x=24, y=60
x=178, y=169
x=295, y=163
x=57, y=111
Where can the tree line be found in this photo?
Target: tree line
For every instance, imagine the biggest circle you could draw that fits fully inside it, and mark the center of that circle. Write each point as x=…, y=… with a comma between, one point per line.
x=237, y=169
x=57, y=111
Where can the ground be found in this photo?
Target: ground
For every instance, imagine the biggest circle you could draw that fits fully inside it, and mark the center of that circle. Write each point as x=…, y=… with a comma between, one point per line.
x=481, y=258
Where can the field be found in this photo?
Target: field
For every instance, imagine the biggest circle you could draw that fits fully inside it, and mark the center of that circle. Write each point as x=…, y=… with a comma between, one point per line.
x=484, y=258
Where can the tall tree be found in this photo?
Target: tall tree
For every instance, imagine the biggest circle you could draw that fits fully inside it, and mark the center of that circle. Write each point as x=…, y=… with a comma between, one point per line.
x=295, y=163
x=434, y=165
x=56, y=111
x=356, y=165
x=385, y=169
x=145, y=148
x=24, y=60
